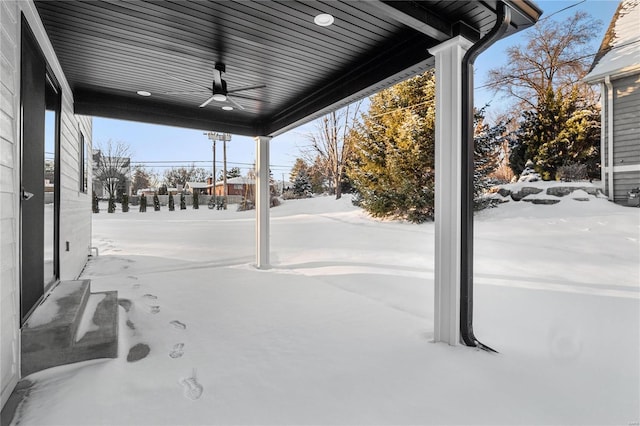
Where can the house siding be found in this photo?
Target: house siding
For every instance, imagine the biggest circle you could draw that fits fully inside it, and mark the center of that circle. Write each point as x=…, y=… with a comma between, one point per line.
x=626, y=134
x=626, y=128
x=75, y=212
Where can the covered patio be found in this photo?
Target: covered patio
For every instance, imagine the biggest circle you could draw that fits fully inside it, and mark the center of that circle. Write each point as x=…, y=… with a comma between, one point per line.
x=260, y=69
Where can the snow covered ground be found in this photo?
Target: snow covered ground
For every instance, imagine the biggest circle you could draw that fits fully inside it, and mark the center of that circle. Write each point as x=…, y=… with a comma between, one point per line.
x=340, y=330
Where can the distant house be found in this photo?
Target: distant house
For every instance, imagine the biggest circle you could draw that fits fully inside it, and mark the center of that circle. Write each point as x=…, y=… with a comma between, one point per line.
x=199, y=187
x=616, y=68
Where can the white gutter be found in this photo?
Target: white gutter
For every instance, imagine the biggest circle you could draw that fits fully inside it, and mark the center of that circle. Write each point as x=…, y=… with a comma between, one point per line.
x=607, y=82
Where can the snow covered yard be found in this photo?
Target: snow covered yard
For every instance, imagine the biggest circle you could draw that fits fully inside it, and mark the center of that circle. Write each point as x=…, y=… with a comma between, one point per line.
x=340, y=330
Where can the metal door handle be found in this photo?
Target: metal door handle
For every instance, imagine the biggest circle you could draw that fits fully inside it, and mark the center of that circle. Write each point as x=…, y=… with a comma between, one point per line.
x=26, y=195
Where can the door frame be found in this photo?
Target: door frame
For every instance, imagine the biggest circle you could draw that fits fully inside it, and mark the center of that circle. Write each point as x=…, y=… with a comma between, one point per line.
x=49, y=81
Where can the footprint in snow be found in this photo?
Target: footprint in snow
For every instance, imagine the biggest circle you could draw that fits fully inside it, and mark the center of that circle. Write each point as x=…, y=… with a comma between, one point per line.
x=153, y=309
x=150, y=297
x=192, y=389
x=178, y=350
x=179, y=325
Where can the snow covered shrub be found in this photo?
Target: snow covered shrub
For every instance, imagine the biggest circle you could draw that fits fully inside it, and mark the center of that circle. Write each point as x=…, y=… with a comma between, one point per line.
x=572, y=172
x=172, y=205
x=196, y=203
x=246, y=204
x=112, y=205
x=125, y=203
x=156, y=202
x=95, y=207
x=143, y=203
x=183, y=202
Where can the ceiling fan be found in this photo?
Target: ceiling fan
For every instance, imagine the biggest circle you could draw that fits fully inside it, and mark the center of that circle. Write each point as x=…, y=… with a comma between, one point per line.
x=219, y=91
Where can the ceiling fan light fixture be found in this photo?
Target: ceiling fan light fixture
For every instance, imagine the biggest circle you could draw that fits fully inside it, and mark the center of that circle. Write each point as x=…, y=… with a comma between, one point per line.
x=219, y=97
x=323, y=20
x=143, y=93
x=227, y=108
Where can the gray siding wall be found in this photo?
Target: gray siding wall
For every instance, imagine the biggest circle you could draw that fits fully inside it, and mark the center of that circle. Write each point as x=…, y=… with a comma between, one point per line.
x=626, y=137
x=75, y=210
x=626, y=120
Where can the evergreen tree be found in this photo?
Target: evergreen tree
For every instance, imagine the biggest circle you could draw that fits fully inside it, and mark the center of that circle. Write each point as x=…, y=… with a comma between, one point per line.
x=172, y=205
x=143, y=203
x=112, y=205
x=95, y=206
x=487, y=143
x=299, y=166
x=301, y=184
x=183, y=202
x=562, y=131
x=125, y=203
x=393, y=167
x=195, y=200
x=156, y=202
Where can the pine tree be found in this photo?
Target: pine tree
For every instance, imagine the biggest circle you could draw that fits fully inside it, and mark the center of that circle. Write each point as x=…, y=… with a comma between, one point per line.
x=393, y=167
x=487, y=142
x=172, y=205
x=183, y=202
x=156, y=202
x=112, y=205
x=143, y=203
x=301, y=184
x=125, y=203
x=562, y=131
x=195, y=200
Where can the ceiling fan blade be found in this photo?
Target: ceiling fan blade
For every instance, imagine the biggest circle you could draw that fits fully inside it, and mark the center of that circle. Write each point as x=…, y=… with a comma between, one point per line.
x=188, y=81
x=235, y=104
x=239, y=89
x=207, y=102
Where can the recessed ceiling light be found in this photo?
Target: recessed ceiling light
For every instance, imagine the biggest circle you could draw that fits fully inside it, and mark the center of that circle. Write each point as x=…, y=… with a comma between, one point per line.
x=219, y=97
x=227, y=108
x=323, y=19
x=143, y=93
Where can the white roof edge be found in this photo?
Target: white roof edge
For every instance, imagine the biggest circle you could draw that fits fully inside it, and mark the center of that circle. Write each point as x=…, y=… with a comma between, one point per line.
x=597, y=77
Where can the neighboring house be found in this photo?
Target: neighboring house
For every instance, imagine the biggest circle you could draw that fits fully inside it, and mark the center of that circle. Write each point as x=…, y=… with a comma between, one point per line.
x=123, y=183
x=238, y=186
x=617, y=69
x=199, y=187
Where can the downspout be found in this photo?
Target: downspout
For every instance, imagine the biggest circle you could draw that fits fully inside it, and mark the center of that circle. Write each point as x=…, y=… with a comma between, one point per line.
x=607, y=82
x=503, y=20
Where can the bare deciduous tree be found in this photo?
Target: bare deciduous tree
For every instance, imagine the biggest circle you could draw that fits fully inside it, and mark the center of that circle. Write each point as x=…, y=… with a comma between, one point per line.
x=112, y=163
x=556, y=57
x=330, y=143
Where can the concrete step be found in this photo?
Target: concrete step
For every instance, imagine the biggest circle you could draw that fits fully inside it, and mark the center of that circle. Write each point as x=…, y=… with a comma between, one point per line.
x=71, y=325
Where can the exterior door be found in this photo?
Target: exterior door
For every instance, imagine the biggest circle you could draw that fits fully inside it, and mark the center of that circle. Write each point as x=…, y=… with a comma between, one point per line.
x=40, y=112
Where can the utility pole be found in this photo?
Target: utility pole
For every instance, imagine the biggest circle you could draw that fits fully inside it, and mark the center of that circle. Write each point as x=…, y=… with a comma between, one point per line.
x=224, y=137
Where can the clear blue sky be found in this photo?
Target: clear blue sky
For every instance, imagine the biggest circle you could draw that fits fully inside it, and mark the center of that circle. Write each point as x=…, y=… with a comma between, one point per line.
x=153, y=143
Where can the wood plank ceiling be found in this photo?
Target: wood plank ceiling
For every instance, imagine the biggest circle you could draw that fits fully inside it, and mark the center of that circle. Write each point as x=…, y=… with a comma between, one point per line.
x=110, y=50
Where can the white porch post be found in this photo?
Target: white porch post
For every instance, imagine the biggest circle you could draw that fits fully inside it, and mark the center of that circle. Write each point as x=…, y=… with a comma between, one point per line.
x=262, y=202
x=448, y=198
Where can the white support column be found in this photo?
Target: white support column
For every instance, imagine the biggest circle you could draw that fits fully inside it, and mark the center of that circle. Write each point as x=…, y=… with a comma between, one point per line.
x=448, y=198
x=262, y=202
